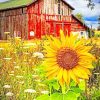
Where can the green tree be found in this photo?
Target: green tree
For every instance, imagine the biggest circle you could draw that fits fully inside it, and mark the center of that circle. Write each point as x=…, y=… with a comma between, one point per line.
x=80, y=17
x=90, y=4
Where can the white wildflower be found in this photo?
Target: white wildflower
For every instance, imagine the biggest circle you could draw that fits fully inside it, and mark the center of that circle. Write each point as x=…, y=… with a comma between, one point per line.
x=45, y=92
x=38, y=80
x=16, y=67
x=26, y=53
x=7, y=86
x=38, y=54
x=18, y=76
x=31, y=44
x=25, y=47
x=14, y=62
x=21, y=82
x=7, y=58
x=6, y=32
x=9, y=94
x=17, y=37
x=34, y=76
x=1, y=48
x=30, y=91
x=11, y=74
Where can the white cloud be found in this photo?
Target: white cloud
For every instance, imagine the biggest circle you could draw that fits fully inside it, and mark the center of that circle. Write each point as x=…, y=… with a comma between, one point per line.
x=93, y=24
x=3, y=0
x=81, y=7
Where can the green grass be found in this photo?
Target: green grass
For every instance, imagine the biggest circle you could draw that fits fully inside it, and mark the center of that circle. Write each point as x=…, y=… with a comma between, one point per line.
x=14, y=3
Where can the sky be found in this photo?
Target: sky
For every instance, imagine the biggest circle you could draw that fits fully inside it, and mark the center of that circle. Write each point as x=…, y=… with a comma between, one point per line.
x=90, y=16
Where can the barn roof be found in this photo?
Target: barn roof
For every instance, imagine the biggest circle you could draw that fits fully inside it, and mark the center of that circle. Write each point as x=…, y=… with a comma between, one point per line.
x=15, y=4
x=82, y=23
x=21, y=3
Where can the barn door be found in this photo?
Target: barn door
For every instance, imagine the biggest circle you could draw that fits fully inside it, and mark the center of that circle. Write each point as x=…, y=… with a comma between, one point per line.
x=67, y=29
x=58, y=27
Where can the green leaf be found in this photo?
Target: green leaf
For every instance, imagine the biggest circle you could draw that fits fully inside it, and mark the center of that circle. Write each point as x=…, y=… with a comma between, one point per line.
x=43, y=97
x=94, y=64
x=96, y=94
x=68, y=96
x=72, y=84
x=56, y=85
x=76, y=89
x=82, y=85
x=57, y=96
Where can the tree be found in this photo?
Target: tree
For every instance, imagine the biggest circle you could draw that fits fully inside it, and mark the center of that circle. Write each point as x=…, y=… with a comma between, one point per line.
x=99, y=23
x=90, y=4
x=80, y=17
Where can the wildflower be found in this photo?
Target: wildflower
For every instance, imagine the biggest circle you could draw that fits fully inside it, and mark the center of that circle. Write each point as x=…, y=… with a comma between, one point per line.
x=45, y=92
x=6, y=32
x=16, y=67
x=38, y=54
x=30, y=45
x=7, y=86
x=9, y=94
x=18, y=76
x=1, y=48
x=38, y=80
x=35, y=76
x=12, y=71
x=17, y=40
x=17, y=37
x=7, y=58
x=26, y=53
x=21, y=82
x=14, y=62
x=67, y=59
x=11, y=74
x=30, y=91
x=25, y=47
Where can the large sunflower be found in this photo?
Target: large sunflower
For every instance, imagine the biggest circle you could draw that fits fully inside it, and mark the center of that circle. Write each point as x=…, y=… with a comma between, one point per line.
x=67, y=58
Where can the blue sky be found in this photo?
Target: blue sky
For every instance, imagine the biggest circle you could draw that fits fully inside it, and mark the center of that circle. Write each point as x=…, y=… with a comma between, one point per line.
x=90, y=16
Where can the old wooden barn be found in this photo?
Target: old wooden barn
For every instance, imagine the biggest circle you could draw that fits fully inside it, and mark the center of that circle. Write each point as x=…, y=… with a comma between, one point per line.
x=35, y=18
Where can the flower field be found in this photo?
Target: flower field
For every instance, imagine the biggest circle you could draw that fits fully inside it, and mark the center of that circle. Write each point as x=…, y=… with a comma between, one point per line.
x=53, y=68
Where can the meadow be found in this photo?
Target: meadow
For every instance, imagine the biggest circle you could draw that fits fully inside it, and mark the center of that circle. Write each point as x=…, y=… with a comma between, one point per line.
x=28, y=70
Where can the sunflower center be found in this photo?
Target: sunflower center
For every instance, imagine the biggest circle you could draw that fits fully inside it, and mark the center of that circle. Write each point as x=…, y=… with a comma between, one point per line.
x=67, y=58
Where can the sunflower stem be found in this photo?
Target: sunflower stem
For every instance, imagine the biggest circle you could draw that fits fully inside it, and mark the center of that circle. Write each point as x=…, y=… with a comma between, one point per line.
x=63, y=89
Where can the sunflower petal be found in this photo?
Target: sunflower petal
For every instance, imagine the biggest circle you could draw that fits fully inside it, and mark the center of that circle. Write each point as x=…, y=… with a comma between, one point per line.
x=62, y=37
x=73, y=76
x=61, y=82
x=52, y=71
x=65, y=75
x=79, y=73
x=60, y=74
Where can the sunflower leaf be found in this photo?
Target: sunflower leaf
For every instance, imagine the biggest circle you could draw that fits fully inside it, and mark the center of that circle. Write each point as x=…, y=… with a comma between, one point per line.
x=43, y=97
x=76, y=90
x=82, y=85
x=68, y=96
x=56, y=96
x=56, y=86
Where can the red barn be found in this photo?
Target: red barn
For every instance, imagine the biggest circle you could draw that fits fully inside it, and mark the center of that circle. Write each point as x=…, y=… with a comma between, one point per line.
x=35, y=18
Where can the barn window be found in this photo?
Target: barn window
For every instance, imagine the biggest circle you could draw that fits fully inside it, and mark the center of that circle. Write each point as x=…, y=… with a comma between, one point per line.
x=32, y=33
x=58, y=6
x=22, y=11
x=81, y=33
x=62, y=11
